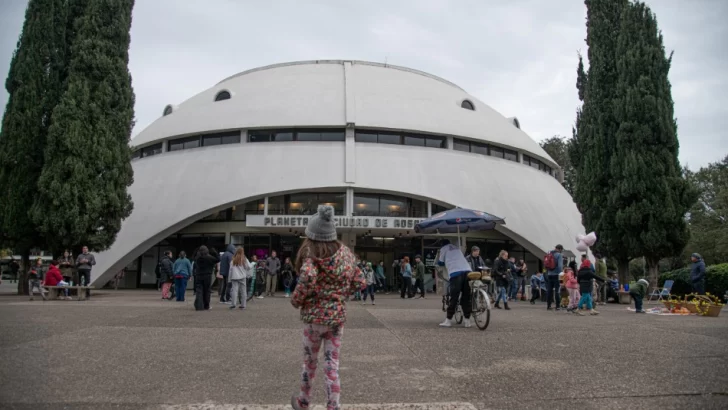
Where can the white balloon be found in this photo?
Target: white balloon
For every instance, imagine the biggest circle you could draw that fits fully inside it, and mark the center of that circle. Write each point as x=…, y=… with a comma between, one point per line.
x=590, y=239
x=582, y=247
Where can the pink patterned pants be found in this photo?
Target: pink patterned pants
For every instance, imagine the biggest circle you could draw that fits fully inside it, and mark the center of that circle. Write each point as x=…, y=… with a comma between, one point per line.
x=574, y=296
x=313, y=336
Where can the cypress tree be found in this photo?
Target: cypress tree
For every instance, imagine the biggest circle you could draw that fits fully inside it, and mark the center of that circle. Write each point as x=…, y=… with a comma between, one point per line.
x=33, y=83
x=595, y=126
x=649, y=193
x=83, y=187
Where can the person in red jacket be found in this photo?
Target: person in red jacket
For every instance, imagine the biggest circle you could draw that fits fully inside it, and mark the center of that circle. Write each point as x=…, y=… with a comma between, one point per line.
x=54, y=277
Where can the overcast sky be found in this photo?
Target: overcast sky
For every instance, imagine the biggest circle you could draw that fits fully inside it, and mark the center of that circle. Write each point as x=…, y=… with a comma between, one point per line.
x=518, y=56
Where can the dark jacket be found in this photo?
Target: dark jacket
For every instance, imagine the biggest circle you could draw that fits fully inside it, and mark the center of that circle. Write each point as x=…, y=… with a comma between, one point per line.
x=475, y=263
x=585, y=276
x=419, y=272
x=226, y=259
x=697, y=271
x=287, y=267
x=500, y=267
x=205, y=264
x=166, y=273
x=36, y=272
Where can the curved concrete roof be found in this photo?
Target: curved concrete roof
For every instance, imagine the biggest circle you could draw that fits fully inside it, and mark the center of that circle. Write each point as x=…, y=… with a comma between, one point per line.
x=337, y=93
x=175, y=189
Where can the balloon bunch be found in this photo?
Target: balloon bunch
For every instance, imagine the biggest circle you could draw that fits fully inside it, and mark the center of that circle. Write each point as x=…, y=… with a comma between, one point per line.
x=584, y=242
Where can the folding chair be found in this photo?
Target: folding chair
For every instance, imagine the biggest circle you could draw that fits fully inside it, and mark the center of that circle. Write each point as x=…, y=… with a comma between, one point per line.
x=661, y=293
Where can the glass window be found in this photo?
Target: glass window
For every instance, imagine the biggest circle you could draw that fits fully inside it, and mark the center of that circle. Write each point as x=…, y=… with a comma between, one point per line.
x=238, y=212
x=526, y=159
x=467, y=105
x=496, y=152
x=183, y=143
x=479, y=148
x=302, y=204
x=255, y=207
x=546, y=168
x=366, y=205
x=152, y=150
x=415, y=140
x=511, y=155
x=308, y=136
x=390, y=205
x=276, y=205
x=436, y=142
x=210, y=140
x=336, y=200
x=436, y=209
x=337, y=135
x=167, y=111
x=216, y=216
x=389, y=138
x=418, y=209
x=136, y=154
x=461, y=145
x=281, y=135
x=535, y=163
x=222, y=95
x=232, y=137
x=363, y=136
x=261, y=136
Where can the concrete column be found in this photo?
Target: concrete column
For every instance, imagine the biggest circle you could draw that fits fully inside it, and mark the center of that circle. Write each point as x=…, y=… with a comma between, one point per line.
x=450, y=142
x=265, y=206
x=165, y=144
x=227, y=238
x=429, y=209
x=349, y=208
x=243, y=136
x=350, y=160
x=350, y=121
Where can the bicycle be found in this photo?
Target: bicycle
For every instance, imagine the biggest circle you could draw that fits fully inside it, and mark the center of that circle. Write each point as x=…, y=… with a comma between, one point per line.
x=479, y=299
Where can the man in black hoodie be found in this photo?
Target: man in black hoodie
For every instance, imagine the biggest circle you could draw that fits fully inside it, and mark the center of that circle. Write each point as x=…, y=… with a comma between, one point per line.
x=225, y=262
x=204, y=265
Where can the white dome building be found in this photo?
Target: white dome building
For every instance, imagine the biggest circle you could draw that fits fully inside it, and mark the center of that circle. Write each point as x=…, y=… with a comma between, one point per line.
x=245, y=160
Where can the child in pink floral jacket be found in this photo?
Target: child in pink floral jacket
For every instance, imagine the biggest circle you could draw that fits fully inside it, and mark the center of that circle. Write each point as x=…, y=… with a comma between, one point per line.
x=328, y=275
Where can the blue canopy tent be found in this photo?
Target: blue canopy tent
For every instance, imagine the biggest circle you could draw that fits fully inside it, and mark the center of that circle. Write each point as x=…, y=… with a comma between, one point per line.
x=458, y=220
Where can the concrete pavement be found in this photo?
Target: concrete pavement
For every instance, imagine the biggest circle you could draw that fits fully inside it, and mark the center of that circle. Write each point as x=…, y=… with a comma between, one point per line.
x=132, y=350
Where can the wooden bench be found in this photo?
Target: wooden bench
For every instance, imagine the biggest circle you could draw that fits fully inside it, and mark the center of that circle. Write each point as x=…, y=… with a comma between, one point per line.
x=53, y=291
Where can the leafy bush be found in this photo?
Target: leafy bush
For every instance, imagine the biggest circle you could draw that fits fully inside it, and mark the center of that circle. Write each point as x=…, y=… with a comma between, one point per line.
x=716, y=282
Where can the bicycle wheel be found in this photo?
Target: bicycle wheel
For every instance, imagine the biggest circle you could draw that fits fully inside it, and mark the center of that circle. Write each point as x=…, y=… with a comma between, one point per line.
x=481, y=308
x=459, y=315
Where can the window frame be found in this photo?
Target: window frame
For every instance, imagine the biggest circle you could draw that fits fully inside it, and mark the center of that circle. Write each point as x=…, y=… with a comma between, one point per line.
x=183, y=141
x=223, y=95
x=467, y=104
x=155, y=149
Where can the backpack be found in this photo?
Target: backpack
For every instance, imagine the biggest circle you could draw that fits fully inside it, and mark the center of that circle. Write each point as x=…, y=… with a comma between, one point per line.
x=549, y=261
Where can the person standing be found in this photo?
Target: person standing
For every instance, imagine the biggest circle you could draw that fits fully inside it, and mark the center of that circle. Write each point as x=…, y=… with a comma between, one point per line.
x=554, y=263
x=328, y=276
x=572, y=286
x=166, y=273
x=697, y=274
x=182, y=270
x=406, y=278
x=381, y=277
x=205, y=264
x=371, y=280
x=14, y=268
x=35, y=276
x=84, y=263
x=420, y=276
x=239, y=269
x=502, y=267
x=586, y=278
x=522, y=272
x=289, y=278
x=225, y=261
x=513, y=285
x=452, y=258
x=271, y=280
x=602, y=273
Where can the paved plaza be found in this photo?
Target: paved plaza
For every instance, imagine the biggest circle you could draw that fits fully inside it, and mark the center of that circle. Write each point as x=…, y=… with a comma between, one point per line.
x=131, y=350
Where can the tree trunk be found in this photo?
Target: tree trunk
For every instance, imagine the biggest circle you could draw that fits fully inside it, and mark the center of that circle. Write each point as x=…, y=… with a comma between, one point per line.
x=23, y=274
x=653, y=272
x=623, y=271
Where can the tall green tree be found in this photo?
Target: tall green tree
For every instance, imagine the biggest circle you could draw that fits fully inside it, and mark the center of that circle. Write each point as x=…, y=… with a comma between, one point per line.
x=649, y=193
x=558, y=148
x=34, y=83
x=595, y=127
x=83, y=186
x=708, y=218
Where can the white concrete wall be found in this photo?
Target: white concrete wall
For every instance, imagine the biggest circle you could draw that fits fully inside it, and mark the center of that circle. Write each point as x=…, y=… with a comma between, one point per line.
x=175, y=189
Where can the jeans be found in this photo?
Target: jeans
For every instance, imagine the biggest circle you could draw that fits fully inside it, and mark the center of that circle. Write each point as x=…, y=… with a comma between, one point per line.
x=223, y=289
x=271, y=284
x=535, y=294
x=637, y=302
x=35, y=284
x=369, y=291
x=513, y=289
x=552, y=288
x=202, y=292
x=406, y=285
x=238, y=292
x=180, y=285
x=460, y=293
x=84, y=276
x=420, y=284
x=501, y=295
x=586, y=299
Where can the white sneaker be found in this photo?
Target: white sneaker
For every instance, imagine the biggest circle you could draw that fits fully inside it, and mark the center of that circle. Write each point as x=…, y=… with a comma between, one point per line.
x=260, y=297
x=287, y=295
x=466, y=323
x=446, y=323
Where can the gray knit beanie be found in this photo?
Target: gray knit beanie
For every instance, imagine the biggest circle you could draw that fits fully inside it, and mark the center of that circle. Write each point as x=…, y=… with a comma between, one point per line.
x=321, y=225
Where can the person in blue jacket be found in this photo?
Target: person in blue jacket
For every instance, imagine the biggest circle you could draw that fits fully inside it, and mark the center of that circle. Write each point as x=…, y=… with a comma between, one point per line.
x=697, y=274
x=182, y=269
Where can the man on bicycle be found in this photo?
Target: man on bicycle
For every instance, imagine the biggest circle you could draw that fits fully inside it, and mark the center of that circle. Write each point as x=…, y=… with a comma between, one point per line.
x=457, y=269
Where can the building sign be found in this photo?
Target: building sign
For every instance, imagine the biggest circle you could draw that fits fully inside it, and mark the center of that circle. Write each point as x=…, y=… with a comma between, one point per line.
x=368, y=222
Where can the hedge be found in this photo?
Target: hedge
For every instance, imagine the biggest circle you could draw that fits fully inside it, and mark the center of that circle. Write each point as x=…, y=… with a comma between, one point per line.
x=716, y=280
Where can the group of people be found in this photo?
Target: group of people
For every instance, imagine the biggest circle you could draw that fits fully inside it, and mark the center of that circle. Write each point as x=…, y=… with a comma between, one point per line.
x=62, y=272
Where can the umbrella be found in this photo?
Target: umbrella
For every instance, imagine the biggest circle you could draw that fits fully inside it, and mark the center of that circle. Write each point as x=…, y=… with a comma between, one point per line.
x=458, y=220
